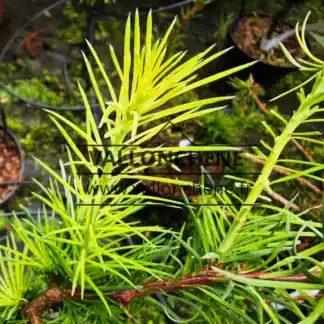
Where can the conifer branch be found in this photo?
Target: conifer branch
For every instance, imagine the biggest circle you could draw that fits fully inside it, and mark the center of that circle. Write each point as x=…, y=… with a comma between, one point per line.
x=51, y=297
x=282, y=171
x=54, y=296
x=263, y=107
x=204, y=278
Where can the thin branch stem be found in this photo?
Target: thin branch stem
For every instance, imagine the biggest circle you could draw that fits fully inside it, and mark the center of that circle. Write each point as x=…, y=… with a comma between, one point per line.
x=301, y=180
x=185, y=18
x=206, y=277
x=303, y=150
x=54, y=295
x=262, y=181
x=263, y=107
x=281, y=199
x=51, y=297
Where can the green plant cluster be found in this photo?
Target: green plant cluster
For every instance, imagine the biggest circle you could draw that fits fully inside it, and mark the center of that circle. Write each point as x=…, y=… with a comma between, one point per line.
x=241, y=256
x=78, y=24
x=35, y=134
x=74, y=32
x=35, y=89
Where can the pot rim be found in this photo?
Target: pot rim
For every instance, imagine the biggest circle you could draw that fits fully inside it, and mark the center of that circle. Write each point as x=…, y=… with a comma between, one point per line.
x=232, y=28
x=22, y=167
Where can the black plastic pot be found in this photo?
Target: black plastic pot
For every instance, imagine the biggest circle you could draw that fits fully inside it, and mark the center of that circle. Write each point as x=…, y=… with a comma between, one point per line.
x=264, y=73
x=15, y=187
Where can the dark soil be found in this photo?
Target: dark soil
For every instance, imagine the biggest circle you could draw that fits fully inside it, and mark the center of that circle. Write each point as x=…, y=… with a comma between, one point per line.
x=250, y=31
x=10, y=164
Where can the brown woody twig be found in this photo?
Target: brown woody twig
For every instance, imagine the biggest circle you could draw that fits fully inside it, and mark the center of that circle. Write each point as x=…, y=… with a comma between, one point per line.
x=282, y=171
x=54, y=296
x=281, y=199
x=263, y=107
x=51, y=297
x=184, y=19
x=206, y=277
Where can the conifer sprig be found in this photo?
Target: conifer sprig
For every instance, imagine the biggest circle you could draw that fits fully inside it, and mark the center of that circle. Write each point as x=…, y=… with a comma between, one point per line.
x=83, y=256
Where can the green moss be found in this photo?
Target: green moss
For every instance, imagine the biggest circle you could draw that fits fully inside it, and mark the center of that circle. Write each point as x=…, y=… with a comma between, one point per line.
x=224, y=128
x=34, y=89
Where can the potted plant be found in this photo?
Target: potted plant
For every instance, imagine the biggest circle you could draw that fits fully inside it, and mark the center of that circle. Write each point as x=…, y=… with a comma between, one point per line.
x=246, y=34
x=237, y=268
x=11, y=163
